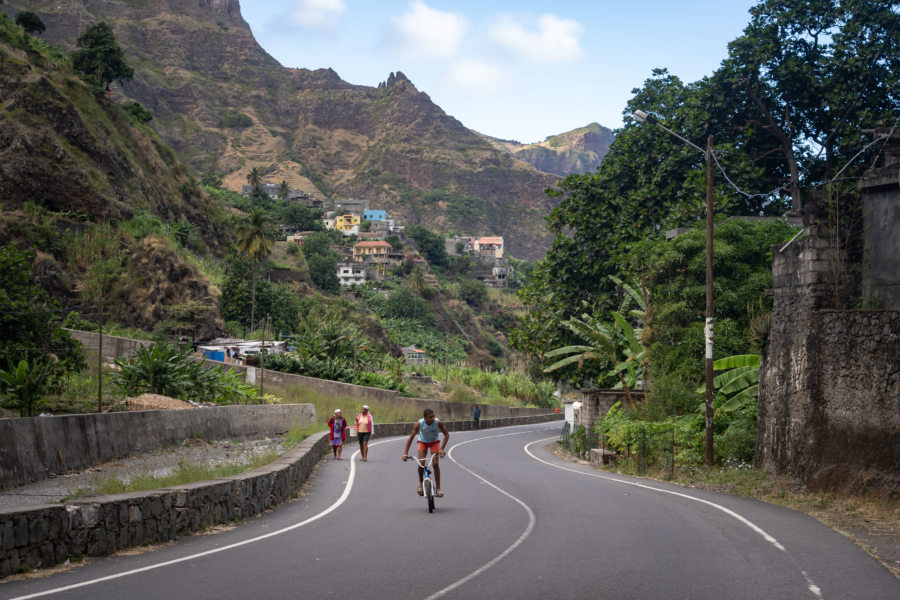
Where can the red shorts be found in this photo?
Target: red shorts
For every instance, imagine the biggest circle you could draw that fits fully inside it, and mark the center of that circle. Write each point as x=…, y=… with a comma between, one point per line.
x=435, y=447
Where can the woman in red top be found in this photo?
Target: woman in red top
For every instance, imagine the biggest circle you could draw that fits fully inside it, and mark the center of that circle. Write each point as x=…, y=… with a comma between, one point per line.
x=337, y=430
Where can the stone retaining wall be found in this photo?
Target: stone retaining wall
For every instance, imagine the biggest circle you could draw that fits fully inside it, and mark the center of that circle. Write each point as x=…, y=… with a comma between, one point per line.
x=43, y=536
x=33, y=448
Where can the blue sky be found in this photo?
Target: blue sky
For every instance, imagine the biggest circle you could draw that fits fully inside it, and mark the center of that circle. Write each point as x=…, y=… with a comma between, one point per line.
x=513, y=69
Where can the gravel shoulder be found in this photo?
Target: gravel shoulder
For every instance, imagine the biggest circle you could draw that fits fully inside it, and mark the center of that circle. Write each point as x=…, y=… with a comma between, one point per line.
x=160, y=462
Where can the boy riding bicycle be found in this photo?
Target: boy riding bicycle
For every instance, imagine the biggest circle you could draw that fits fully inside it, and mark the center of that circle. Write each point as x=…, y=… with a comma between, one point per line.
x=427, y=430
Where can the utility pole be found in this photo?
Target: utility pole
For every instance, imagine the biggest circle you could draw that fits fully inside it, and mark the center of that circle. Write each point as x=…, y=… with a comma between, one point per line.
x=710, y=409
x=262, y=360
x=100, y=361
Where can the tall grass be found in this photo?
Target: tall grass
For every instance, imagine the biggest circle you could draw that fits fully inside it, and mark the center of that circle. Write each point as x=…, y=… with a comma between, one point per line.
x=513, y=388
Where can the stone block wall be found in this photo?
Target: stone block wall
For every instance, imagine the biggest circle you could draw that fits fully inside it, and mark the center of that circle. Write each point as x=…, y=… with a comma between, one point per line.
x=43, y=536
x=829, y=390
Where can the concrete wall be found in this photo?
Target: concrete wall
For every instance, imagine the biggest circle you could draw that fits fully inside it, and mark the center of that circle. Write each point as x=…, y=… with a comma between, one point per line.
x=451, y=411
x=113, y=347
x=43, y=536
x=32, y=448
x=829, y=391
x=596, y=402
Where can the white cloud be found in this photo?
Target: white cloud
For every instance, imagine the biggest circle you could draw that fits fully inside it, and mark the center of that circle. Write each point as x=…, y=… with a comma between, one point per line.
x=477, y=76
x=555, y=40
x=323, y=15
x=424, y=32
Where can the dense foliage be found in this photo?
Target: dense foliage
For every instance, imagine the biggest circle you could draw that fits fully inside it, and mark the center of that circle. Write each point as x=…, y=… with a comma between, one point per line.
x=31, y=322
x=273, y=300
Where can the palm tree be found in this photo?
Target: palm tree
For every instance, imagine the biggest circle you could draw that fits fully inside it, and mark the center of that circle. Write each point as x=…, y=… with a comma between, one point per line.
x=283, y=190
x=254, y=178
x=417, y=279
x=255, y=241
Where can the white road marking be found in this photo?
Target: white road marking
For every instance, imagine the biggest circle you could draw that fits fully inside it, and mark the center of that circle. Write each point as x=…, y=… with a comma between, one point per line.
x=516, y=544
x=325, y=512
x=813, y=588
x=330, y=509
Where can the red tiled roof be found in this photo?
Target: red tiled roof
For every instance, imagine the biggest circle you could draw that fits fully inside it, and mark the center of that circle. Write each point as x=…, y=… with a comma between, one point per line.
x=497, y=241
x=378, y=244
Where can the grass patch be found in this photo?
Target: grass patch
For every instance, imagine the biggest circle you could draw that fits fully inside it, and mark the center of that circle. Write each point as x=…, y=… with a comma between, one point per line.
x=186, y=473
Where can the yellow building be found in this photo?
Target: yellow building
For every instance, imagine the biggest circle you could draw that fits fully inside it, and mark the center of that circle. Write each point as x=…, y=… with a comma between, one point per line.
x=347, y=222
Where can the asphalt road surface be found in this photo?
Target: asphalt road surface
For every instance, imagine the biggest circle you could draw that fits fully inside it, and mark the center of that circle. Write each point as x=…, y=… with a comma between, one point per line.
x=516, y=522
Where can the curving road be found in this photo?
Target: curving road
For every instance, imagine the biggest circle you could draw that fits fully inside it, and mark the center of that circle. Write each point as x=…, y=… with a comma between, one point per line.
x=516, y=522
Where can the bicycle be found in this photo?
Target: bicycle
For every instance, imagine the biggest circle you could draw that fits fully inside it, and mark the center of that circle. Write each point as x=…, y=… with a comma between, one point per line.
x=427, y=481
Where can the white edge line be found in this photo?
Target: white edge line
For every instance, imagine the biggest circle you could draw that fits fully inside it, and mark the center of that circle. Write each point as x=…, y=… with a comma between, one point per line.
x=347, y=488
x=813, y=588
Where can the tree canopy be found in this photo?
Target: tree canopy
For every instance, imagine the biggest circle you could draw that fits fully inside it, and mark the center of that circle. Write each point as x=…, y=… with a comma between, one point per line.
x=788, y=111
x=30, y=23
x=100, y=57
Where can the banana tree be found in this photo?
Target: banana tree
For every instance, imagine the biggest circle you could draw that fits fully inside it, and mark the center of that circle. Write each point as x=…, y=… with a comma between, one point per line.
x=23, y=385
x=601, y=346
x=740, y=380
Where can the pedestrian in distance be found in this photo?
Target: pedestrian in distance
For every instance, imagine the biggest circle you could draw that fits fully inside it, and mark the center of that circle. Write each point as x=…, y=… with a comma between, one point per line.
x=477, y=416
x=337, y=430
x=365, y=427
x=427, y=430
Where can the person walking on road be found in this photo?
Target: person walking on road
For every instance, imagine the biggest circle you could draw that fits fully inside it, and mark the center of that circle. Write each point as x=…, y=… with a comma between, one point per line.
x=477, y=416
x=365, y=427
x=337, y=430
x=427, y=430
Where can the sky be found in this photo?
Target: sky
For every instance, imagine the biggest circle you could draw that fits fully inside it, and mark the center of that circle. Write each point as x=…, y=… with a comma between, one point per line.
x=513, y=69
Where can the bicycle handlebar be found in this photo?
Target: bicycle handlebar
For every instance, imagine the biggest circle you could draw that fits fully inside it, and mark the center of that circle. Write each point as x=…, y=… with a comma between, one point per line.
x=422, y=462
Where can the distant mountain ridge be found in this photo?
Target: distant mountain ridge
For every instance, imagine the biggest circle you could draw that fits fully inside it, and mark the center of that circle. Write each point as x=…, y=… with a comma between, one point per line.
x=227, y=106
x=580, y=150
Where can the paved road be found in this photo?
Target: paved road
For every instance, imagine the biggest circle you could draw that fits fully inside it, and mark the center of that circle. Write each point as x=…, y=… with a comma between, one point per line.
x=516, y=522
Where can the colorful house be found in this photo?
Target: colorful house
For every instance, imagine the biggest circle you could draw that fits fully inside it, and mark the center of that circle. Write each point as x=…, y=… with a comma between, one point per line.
x=347, y=222
x=372, y=251
x=374, y=215
x=489, y=247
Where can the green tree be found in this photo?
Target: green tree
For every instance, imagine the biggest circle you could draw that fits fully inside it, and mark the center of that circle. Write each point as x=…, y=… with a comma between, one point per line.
x=275, y=300
x=810, y=74
x=431, y=245
x=302, y=217
x=30, y=321
x=100, y=57
x=323, y=272
x=318, y=243
x=473, y=292
x=255, y=240
x=283, y=190
x=402, y=303
x=30, y=23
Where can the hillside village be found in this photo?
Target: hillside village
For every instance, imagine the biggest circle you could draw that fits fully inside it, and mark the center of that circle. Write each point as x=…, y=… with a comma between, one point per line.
x=372, y=256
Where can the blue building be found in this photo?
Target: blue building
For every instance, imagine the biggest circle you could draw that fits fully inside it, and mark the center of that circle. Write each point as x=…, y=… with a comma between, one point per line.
x=374, y=215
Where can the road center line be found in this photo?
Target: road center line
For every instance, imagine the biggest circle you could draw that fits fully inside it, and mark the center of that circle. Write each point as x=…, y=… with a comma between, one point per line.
x=813, y=588
x=516, y=544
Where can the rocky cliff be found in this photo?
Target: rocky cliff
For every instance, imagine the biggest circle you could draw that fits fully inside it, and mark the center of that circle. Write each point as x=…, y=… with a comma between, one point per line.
x=578, y=151
x=227, y=106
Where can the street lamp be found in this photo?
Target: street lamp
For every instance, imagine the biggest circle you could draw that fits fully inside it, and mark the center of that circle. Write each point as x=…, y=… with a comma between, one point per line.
x=643, y=117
